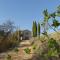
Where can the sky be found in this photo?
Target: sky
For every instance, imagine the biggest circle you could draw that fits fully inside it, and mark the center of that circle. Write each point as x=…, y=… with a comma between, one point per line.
x=24, y=12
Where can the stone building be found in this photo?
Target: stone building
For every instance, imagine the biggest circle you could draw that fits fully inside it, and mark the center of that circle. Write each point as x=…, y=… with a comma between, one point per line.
x=25, y=35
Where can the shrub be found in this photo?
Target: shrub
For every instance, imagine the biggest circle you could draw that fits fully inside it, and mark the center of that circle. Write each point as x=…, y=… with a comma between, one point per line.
x=52, y=53
x=27, y=50
x=34, y=47
x=53, y=44
x=8, y=42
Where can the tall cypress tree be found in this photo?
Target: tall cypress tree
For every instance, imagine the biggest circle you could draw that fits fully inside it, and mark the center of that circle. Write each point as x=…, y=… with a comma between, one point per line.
x=39, y=30
x=34, y=29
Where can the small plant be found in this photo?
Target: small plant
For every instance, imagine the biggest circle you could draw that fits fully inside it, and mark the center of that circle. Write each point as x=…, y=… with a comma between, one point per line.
x=27, y=50
x=34, y=47
x=9, y=57
x=53, y=46
x=52, y=43
x=52, y=53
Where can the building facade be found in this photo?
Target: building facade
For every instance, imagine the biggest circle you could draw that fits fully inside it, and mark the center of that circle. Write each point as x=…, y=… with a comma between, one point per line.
x=25, y=35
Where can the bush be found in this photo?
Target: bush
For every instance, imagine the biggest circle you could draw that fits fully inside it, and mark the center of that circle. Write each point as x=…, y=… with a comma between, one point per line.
x=53, y=44
x=27, y=50
x=34, y=47
x=49, y=49
x=9, y=42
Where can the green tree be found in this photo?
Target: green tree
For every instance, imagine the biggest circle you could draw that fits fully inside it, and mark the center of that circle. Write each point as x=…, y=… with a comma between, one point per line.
x=46, y=18
x=34, y=29
x=39, y=30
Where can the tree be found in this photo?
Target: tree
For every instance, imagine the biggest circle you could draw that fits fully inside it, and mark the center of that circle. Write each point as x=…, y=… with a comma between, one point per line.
x=39, y=29
x=34, y=29
x=55, y=22
x=6, y=35
x=46, y=18
x=8, y=26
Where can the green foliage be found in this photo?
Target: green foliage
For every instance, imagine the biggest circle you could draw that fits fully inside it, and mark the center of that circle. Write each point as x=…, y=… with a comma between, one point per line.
x=45, y=21
x=54, y=48
x=34, y=47
x=51, y=50
x=55, y=23
x=6, y=36
x=46, y=15
x=52, y=43
x=52, y=53
x=8, y=42
x=45, y=12
x=27, y=50
x=50, y=47
x=53, y=15
x=34, y=29
x=39, y=29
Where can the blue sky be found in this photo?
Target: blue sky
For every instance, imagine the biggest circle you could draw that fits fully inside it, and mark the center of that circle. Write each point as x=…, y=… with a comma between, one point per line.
x=23, y=12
